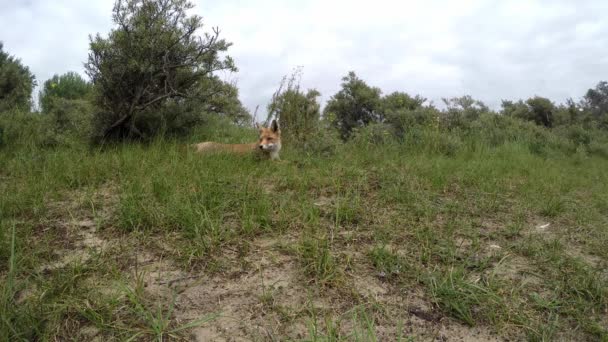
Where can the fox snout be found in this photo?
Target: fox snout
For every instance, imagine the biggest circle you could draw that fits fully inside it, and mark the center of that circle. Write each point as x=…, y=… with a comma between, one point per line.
x=270, y=140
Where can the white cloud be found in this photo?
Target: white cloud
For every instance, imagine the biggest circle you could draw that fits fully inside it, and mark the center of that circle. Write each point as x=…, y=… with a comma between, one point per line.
x=487, y=48
x=52, y=36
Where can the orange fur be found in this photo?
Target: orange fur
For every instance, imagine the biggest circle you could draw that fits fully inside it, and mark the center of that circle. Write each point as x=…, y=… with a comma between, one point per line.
x=269, y=144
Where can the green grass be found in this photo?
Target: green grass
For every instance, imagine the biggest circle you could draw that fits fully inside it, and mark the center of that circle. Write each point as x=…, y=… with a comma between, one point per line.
x=455, y=220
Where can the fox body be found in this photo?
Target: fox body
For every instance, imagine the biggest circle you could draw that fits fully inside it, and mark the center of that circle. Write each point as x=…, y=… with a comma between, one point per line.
x=269, y=144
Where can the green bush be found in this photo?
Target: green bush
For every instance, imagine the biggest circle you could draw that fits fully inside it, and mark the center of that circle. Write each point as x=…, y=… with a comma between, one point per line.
x=461, y=112
x=495, y=130
x=69, y=86
x=356, y=105
x=444, y=144
x=578, y=135
x=373, y=134
x=16, y=83
x=72, y=116
x=325, y=143
x=598, y=149
x=595, y=102
x=68, y=123
x=592, y=140
x=152, y=59
x=297, y=112
x=538, y=109
x=403, y=120
x=23, y=129
x=221, y=129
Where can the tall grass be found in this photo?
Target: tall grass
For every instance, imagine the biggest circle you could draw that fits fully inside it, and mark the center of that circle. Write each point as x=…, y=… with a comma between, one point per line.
x=436, y=210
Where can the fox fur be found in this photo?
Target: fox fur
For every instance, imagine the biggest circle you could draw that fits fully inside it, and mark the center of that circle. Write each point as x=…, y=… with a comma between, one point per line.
x=268, y=144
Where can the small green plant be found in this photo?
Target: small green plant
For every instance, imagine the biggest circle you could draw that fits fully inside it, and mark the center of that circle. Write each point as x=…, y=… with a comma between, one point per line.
x=156, y=321
x=318, y=261
x=386, y=263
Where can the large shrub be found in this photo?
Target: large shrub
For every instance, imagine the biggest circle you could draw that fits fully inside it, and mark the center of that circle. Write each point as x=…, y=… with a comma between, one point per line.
x=16, y=83
x=595, y=102
x=461, y=111
x=69, y=86
x=153, y=59
x=298, y=112
x=21, y=128
x=596, y=99
x=355, y=105
x=538, y=109
x=226, y=103
x=402, y=112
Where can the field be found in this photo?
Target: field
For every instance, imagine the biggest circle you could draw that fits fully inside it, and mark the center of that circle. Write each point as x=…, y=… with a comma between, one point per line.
x=438, y=237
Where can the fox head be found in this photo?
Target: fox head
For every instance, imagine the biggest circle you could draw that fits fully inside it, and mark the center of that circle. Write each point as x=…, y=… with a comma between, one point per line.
x=270, y=138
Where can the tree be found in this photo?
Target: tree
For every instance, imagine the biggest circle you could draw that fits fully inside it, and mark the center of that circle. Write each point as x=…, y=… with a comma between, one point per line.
x=542, y=110
x=597, y=99
x=465, y=103
x=515, y=109
x=153, y=59
x=461, y=111
x=401, y=112
x=226, y=103
x=69, y=86
x=398, y=101
x=298, y=112
x=16, y=83
x=355, y=105
x=538, y=109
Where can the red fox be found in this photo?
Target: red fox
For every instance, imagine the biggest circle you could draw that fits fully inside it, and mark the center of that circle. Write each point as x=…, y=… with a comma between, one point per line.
x=269, y=144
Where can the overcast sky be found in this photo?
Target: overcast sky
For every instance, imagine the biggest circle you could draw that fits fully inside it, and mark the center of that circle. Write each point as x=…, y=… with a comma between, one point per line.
x=491, y=50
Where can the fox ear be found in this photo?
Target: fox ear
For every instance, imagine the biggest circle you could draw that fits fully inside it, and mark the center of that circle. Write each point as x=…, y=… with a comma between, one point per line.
x=274, y=126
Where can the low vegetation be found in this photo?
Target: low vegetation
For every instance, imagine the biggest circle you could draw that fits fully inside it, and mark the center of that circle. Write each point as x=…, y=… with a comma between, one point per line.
x=386, y=219
x=502, y=229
